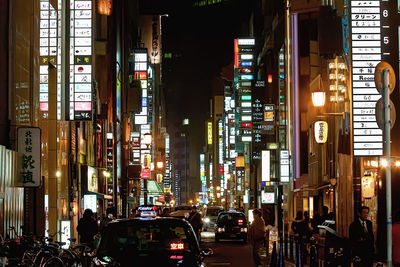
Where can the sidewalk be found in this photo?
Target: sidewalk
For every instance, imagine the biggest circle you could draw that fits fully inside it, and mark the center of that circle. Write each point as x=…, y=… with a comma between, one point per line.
x=292, y=264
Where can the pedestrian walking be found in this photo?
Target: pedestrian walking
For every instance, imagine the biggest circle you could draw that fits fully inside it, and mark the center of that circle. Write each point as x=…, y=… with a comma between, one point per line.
x=106, y=219
x=396, y=239
x=325, y=215
x=314, y=222
x=166, y=212
x=256, y=235
x=87, y=228
x=196, y=221
x=362, y=239
x=301, y=231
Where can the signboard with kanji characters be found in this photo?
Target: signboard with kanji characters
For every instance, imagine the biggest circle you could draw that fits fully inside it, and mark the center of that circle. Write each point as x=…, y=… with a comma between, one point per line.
x=81, y=50
x=29, y=146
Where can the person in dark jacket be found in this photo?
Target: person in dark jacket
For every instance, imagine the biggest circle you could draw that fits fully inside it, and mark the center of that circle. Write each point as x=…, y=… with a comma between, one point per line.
x=87, y=227
x=325, y=215
x=299, y=226
x=314, y=222
x=301, y=230
x=196, y=221
x=362, y=239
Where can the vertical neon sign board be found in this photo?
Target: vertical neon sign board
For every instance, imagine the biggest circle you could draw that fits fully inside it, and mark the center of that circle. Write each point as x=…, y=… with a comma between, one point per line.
x=47, y=50
x=202, y=169
x=366, y=54
x=80, y=92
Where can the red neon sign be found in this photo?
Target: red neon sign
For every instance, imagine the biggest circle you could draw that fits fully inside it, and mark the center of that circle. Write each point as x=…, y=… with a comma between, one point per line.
x=140, y=75
x=176, y=246
x=246, y=70
x=246, y=124
x=44, y=106
x=236, y=54
x=145, y=173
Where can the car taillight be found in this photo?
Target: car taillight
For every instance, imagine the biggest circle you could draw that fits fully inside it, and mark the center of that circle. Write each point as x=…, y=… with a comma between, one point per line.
x=176, y=257
x=240, y=222
x=176, y=246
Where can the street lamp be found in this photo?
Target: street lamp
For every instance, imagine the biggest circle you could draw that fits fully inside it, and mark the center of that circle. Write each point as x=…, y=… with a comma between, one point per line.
x=318, y=99
x=160, y=164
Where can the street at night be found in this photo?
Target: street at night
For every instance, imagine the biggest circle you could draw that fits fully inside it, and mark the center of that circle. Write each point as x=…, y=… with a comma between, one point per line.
x=199, y=133
x=227, y=252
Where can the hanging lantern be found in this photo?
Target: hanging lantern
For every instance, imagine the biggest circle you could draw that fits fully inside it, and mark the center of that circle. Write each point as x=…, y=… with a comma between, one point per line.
x=104, y=7
x=75, y=208
x=321, y=131
x=368, y=186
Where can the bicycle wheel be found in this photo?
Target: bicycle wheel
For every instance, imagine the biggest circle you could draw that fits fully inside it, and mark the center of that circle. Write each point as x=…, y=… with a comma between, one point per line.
x=54, y=262
x=70, y=258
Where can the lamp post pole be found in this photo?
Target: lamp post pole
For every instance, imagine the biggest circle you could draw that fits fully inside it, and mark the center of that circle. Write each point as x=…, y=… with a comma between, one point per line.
x=386, y=99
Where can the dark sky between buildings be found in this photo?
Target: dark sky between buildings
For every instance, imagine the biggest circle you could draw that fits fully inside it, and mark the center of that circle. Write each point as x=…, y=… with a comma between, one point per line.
x=201, y=43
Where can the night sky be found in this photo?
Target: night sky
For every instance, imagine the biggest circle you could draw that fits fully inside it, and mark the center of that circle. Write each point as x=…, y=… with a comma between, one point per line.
x=201, y=42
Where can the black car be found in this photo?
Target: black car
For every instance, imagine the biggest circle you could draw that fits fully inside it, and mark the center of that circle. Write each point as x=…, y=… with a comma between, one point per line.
x=231, y=225
x=151, y=241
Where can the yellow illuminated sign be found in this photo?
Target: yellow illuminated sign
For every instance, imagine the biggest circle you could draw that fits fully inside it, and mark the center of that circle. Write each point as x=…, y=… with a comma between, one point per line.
x=239, y=162
x=272, y=146
x=209, y=133
x=321, y=131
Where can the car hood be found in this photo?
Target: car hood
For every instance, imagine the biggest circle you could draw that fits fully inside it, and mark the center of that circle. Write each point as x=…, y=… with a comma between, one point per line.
x=158, y=258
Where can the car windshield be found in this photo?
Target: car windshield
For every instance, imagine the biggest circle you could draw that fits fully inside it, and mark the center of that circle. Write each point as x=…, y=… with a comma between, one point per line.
x=213, y=212
x=232, y=219
x=145, y=236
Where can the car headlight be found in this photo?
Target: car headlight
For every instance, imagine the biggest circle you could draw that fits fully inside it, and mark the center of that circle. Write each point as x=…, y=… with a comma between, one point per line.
x=221, y=229
x=206, y=220
x=243, y=230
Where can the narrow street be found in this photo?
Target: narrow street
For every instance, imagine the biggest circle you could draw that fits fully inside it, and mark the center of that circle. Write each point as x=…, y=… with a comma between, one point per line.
x=230, y=253
x=227, y=252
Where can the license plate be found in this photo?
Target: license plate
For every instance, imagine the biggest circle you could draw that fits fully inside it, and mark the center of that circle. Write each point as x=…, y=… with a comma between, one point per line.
x=232, y=235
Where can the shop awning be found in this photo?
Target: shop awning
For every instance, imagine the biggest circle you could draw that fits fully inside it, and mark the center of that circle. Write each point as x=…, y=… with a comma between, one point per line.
x=99, y=195
x=154, y=188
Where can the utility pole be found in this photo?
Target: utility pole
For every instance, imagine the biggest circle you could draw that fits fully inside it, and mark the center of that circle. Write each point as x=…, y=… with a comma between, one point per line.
x=385, y=80
x=386, y=101
x=52, y=150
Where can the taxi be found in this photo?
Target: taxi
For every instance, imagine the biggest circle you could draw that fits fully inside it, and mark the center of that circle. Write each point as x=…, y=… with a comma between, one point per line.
x=149, y=241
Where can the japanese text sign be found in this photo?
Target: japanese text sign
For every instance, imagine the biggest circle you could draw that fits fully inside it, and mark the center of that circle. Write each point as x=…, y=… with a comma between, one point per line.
x=29, y=146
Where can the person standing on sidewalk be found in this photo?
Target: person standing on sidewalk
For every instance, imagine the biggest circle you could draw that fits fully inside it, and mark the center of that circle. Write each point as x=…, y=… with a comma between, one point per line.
x=196, y=222
x=301, y=231
x=87, y=228
x=362, y=239
x=256, y=236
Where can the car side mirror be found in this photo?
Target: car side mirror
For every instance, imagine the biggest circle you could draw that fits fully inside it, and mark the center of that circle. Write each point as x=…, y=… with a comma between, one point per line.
x=206, y=252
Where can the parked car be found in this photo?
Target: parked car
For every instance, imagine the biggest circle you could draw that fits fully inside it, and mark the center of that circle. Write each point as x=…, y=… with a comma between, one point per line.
x=149, y=241
x=210, y=217
x=231, y=225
